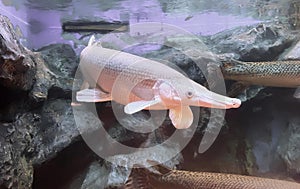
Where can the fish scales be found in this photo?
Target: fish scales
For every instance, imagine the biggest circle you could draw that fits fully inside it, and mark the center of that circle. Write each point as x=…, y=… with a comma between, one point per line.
x=193, y=180
x=166, y=178
x=111, y=65
x=276, y=73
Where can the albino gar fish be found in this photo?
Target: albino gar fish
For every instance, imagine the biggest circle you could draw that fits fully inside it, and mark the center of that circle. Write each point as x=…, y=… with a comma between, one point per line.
x=140, y=83
x=171, y=179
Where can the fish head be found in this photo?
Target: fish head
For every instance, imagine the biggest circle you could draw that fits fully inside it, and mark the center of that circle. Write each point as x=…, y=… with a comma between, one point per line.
x=199, y=95
x=190, y=93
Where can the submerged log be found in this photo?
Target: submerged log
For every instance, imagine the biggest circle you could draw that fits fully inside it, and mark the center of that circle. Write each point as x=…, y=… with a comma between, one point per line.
x=98, y=27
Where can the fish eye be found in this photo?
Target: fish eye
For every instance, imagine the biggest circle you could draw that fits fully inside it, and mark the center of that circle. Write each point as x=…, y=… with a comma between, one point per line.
x=189, y=94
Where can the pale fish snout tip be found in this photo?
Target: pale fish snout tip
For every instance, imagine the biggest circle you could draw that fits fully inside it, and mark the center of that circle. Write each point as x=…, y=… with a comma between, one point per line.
x=236, y=102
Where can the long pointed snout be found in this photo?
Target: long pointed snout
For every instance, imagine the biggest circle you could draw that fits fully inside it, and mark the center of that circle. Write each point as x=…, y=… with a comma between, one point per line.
x=213, y=100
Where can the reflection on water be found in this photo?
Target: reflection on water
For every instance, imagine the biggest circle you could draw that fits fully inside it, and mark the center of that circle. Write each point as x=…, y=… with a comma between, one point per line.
x=41, y=20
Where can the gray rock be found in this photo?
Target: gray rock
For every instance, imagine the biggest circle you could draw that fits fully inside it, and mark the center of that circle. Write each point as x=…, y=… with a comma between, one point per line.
x=289, y=146
x=270, y=127
x=112, y=175
x=56, y=131
x=61, y=59
x=292, y=53
x=96, y=177
x=34, y=138
x=263, y=42
x=17, y=69
x=16, y=148
x=56, y=66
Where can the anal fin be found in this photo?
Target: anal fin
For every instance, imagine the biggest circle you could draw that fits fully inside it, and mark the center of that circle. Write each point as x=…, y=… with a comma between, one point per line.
x=92, y=95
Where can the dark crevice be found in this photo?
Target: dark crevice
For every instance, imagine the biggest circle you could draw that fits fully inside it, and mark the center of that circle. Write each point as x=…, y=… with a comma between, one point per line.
x=11, y=103
x=59, y=172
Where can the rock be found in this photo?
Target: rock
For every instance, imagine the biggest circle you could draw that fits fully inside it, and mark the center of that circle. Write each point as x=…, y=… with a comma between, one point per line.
x=263, y=42
x=292, y=53
x=46, y=77
x=58, y=128
x=96, y=177
x=66, y=170
x=56, y=66
x=61, y=59
x=56, y=131
x=288, y=148
x=17, y=69
x=272, y=137
x=16, y=149
x=111, y=175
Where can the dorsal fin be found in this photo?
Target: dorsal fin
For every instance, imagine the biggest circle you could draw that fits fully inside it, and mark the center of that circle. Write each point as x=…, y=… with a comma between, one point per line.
x=92, y=40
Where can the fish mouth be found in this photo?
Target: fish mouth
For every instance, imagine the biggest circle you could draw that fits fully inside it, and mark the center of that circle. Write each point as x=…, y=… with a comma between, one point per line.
x=235, y=102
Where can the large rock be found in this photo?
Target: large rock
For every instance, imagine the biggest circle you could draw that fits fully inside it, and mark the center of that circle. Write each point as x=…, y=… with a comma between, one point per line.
x=112, y=175
x=16, y=147
x=56, y=131
x=39, y=82
x=263, y=42
x=56, y=66
x=17, y=69
x=289, y=146
x=292, y=53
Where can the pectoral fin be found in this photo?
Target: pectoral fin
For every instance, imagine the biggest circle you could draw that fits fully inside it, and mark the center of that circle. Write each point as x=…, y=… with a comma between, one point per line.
x=92, y=95
x=181, y=117
x=297, y=93
x=134, y=107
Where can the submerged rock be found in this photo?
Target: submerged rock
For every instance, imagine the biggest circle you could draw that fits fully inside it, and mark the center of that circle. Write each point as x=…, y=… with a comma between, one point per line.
x=56, y=131
x=60, y=58
x=288, y=148
x=292, y=53
x=17, y=69
x=263, y=42
x=96, y=176
x=111, y=175
x=39, y=83
x=16, y=148
x=55, y=71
